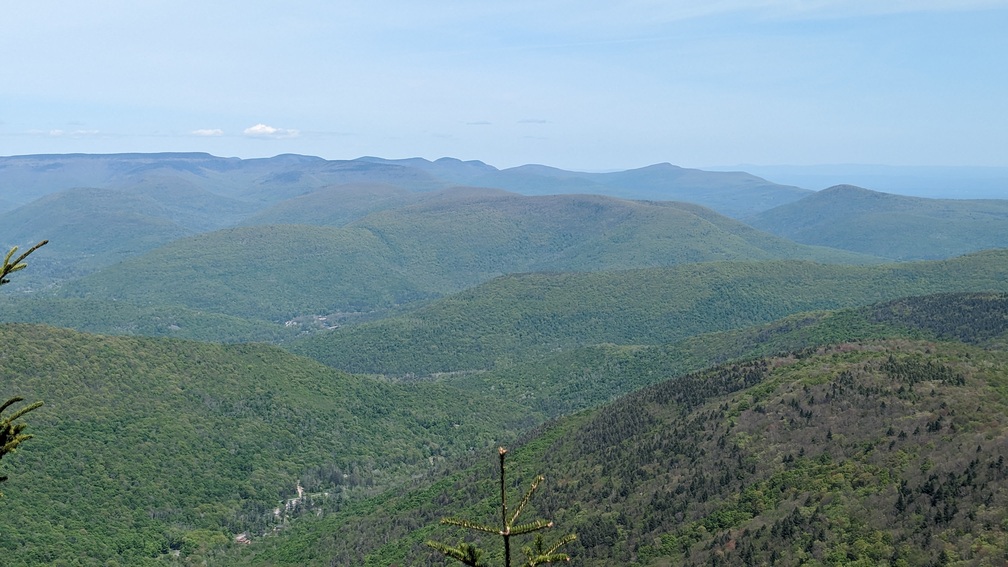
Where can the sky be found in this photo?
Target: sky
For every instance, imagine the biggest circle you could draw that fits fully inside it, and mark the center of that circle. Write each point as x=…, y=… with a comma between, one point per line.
x=587, y=85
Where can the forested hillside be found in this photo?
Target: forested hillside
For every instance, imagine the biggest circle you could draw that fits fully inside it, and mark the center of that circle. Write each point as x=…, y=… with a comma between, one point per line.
x=100, y=209
x=182, y=446
x=146, y=447
x=444, y=242
x=521, y=316
x=565, y=382
x=891, y=226
x=336, y=205
x=89, y=229
x=696, y=390
x=863, y=452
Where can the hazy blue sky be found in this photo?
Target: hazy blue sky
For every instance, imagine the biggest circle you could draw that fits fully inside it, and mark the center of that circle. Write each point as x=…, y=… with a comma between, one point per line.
x=576, y=84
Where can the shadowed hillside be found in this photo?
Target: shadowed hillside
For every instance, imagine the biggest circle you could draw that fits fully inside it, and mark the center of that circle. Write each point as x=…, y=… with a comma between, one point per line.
x=88, y=229
x=92, y=228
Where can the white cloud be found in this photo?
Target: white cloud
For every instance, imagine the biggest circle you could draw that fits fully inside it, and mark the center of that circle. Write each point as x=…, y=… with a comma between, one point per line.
x=208, y=132
x=57, y=133
x=264, y=131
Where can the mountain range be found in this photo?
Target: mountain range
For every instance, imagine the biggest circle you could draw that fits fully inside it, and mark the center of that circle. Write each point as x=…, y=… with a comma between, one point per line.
x=298, y=361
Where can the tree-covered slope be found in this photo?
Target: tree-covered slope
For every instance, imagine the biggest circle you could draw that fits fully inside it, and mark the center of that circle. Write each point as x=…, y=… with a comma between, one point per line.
x=87, y=229
x=444, y=242
x=266, y=273
x=90, y=228
x=892, y=226
x=863, y=453
x=572, y=380
x=478, y=235
x=858, y=454
x=333, y=206
x=147, y=446
x=521, y=316
x=121, y=317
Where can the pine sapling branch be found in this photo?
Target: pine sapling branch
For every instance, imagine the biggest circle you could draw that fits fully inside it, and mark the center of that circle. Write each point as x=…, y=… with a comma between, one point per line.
x=528, y=496
x=10, y=432
x=18, y=263
x=537, y=555
x=470, y=525
x=466, y=553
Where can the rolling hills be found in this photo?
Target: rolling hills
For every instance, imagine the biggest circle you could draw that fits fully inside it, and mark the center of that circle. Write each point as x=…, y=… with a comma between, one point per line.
x=100, y=209
x=528, y=315
x=264, y=180
x=887, y=225
x=92, y=228
x=609, y=339
x=444, y=242
x=862, y=451
x=333, y=206
x=184, y=445
x=733, y=194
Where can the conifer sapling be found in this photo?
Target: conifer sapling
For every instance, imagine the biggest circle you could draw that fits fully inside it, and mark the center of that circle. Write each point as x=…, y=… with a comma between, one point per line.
x=536, y=554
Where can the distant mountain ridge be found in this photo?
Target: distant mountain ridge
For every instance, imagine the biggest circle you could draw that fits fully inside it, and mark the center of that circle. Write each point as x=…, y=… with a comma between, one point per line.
x=165, y=196
x=892, y=226
x=159, y=198
x=268, y=180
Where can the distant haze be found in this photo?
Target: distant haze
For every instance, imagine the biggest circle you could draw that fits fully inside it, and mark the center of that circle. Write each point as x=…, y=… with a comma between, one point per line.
x=587, y=86
x=935, y=182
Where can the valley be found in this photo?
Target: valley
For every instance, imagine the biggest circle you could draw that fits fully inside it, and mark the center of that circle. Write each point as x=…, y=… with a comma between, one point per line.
x=708, y=367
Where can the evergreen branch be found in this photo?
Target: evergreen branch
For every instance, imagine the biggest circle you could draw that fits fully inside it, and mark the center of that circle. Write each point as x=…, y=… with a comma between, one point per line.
x=13, y=443
x=21, y=411
x=551, y=558
x=528, y=495
x=464, y=552
x=22, y=257
x=10, y=402
x=7, y=258
x=561, y=542
x=538, y=555
x=530, y=527
x=17, y=264
x=470, y=525
x=10, y=432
